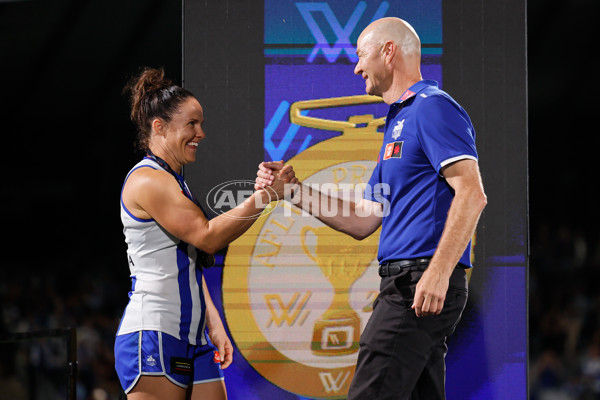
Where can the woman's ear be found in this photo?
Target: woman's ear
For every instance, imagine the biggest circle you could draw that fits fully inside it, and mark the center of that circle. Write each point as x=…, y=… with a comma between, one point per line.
x=158, y=126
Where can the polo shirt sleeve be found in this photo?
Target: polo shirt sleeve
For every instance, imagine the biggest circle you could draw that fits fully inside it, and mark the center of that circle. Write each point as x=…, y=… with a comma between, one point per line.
x=445, y=132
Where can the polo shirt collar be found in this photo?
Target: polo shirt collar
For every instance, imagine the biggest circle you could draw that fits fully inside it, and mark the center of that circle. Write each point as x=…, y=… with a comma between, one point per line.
x=416, y=88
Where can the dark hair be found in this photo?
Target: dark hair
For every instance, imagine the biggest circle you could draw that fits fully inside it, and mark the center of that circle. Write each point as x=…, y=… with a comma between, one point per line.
x=153, y=96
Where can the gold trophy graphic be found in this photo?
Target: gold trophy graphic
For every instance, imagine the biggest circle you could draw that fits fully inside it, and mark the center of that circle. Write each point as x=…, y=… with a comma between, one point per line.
x=291, y=256
x=342, y=261
x=356, y=123
x=313, y=359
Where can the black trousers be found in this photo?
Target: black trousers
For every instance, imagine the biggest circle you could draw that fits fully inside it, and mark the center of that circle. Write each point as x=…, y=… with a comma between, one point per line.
x=402, y=357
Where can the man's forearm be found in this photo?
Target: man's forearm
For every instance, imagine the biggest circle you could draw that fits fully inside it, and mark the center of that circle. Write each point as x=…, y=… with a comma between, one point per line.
x=342, y=215
x=462, y=220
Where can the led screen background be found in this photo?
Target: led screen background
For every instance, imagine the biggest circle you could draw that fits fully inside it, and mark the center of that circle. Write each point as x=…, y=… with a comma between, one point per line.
x=249, y=63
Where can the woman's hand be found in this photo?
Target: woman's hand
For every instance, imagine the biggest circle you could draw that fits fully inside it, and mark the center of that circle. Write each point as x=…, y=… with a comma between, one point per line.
x=276, y=176
x=219, y=338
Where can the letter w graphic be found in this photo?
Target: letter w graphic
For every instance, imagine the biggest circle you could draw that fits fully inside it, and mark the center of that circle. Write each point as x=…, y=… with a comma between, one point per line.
x=332, y=384
x=341, y=32
x=288, y=313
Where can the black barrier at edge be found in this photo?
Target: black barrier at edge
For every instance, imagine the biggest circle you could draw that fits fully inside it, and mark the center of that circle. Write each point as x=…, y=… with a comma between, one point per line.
x=70, y=335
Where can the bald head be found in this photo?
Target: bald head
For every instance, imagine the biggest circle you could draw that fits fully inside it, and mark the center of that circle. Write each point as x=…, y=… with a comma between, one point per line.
x=389, y=58
x=396, y=30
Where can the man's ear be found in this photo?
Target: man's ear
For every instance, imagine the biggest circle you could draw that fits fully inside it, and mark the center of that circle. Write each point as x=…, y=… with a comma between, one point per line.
x=389, y=51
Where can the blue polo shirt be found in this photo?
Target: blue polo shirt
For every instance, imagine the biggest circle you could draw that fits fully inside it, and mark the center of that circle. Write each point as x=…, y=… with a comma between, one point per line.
x=425, y=130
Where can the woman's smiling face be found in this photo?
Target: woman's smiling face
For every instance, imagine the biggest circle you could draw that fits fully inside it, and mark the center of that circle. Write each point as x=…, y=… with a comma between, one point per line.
x=184, y=132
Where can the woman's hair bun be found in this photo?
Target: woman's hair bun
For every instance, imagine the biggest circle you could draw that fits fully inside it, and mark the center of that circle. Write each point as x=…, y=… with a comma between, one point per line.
x=152, y=95
x=149, y=81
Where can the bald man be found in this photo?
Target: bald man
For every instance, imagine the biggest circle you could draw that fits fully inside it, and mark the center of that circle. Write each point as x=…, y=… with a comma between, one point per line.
x=426, y=194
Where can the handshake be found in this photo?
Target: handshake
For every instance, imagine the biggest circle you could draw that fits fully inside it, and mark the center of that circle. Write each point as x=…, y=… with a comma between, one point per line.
x=277, y=177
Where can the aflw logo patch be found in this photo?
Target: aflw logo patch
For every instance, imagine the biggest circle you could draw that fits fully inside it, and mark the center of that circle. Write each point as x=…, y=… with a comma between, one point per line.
x=393, y=150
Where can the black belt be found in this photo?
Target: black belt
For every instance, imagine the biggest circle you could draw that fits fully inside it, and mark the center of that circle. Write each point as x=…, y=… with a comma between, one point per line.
x=395, y=267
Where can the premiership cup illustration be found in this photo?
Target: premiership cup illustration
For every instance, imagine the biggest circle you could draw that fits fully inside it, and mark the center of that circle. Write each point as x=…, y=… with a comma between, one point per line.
x=342, y=261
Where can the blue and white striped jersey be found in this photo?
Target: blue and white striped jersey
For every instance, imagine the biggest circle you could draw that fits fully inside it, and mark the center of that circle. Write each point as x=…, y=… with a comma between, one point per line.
x=166, y=292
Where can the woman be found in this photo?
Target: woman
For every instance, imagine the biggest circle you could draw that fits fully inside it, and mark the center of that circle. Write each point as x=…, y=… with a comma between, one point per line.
x=162, y=350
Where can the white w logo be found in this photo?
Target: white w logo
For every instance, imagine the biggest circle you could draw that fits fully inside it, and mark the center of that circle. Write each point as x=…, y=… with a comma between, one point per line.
x=332, y=384
x=288, y=313
x=341, y=32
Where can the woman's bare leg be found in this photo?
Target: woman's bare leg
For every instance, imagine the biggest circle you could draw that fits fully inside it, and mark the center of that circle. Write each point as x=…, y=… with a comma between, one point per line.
x=209, y=391
x=156, y=388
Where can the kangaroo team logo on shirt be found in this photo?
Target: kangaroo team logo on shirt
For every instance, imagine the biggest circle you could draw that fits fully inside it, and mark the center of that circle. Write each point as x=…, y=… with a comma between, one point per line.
x=398, y=130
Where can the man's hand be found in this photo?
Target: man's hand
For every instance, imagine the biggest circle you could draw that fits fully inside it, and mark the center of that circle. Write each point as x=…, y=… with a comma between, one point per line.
x=276, y=175
x=430, y=293
x=266, y=173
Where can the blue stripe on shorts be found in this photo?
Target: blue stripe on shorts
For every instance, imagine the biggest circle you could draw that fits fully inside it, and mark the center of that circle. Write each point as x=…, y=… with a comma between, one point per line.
x=157, y=353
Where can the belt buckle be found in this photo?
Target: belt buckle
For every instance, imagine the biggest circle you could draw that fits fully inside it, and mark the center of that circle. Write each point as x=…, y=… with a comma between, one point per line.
x=383, y=270
x=389, y=269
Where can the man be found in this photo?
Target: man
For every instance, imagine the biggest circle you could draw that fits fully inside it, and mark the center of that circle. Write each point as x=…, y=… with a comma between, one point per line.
x=430, y=200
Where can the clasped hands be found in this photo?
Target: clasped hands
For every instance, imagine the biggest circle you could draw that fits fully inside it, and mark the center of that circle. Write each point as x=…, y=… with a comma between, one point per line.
x=276, y=176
